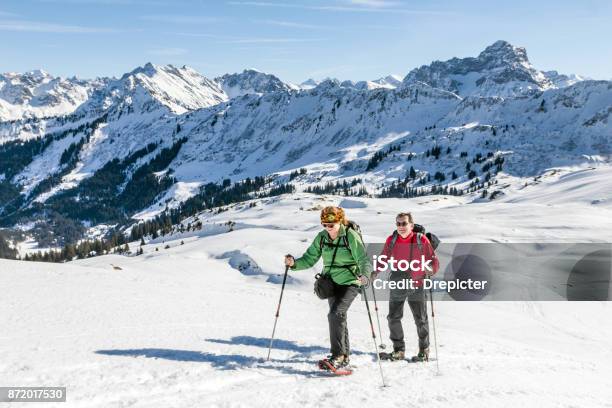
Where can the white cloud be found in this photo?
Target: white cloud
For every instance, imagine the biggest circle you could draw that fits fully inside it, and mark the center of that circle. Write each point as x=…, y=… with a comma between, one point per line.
x=289, y=24
x=203, y=35
x=269, y=40
x=43, y=27
x=364, y=6
x=108, y=2
x=373, y=3
x=181, y=19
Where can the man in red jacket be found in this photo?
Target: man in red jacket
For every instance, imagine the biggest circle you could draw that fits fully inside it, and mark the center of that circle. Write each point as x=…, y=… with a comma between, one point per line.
x=404, y=244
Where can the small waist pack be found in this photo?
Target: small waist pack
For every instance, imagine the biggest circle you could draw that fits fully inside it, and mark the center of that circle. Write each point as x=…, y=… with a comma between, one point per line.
x=323, y=286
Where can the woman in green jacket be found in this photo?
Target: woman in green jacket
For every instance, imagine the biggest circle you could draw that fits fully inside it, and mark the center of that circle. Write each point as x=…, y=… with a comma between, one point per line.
x=346, y=262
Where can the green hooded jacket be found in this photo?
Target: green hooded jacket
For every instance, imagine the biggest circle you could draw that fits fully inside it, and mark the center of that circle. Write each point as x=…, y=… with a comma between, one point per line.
x=347, y=264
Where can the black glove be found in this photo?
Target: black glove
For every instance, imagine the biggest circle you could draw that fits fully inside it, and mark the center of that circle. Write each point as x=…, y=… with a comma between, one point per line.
x=289, y=260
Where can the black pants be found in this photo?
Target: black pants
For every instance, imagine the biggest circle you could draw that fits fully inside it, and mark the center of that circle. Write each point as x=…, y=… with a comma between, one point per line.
x=418, y=306
x=338, y=306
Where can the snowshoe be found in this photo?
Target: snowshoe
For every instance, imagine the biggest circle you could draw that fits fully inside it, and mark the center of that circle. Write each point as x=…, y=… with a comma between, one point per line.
x=322, y=364
x=337, y=365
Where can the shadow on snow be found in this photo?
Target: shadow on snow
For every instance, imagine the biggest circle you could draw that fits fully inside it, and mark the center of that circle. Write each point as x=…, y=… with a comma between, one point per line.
x=278, y=345
x=219, y=361
x=237, y=361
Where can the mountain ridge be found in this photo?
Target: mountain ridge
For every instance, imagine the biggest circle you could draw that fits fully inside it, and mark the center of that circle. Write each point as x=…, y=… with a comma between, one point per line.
x=158, y=135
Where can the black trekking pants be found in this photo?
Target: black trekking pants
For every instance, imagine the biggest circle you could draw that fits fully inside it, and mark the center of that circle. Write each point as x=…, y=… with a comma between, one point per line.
x=418, y=306
x=338, y=306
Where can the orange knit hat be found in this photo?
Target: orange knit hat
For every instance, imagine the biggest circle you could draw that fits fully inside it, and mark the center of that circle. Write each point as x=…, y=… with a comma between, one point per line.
x=332, y=214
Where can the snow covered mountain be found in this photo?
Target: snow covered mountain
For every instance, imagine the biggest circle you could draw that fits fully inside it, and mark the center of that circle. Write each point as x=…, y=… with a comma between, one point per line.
x=309, y=84
x=251, y=81
x=500, y=70
x=388, y=82
x=561, y=80
x=165, y=89
x=332, y=127
x=39, y=94
x=127, y=120
x=155, y=137
x=342, y=133
x=179, y=89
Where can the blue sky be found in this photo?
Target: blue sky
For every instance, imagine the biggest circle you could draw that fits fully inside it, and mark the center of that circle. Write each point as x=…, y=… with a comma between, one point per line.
x=347, y=39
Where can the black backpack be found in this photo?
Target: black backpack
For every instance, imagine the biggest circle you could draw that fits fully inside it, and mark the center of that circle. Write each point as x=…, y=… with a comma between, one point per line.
x=419, y=230
x=324, y=286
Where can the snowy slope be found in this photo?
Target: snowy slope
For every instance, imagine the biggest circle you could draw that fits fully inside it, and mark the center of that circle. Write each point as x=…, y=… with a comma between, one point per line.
x=323, y=127
x=574, y=206
x=190, y=325
x=154, y=335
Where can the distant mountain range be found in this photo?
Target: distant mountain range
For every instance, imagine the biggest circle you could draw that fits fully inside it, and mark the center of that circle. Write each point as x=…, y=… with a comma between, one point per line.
x=104, y=150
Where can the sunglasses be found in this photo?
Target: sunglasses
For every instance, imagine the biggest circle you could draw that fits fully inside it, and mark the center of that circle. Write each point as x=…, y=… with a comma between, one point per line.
x=402, y=224
x=327, y=225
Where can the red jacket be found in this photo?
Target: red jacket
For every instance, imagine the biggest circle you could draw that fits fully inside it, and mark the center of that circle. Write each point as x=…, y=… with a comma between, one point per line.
x=408, y=249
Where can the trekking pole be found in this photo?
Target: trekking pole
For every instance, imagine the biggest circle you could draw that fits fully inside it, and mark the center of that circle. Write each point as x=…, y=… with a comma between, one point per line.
x=365, y=298
x=278, y=310
x=433, y=321
x=382, y=345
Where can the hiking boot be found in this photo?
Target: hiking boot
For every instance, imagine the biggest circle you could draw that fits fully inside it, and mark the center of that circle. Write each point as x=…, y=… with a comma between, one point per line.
x=423, y=355
x=397, y=355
